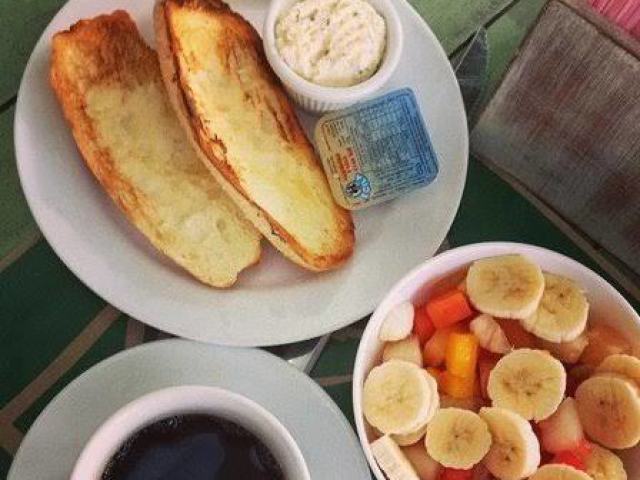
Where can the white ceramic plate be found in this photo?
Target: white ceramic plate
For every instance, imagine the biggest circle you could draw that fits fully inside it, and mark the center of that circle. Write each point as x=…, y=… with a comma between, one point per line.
x=323, y=434
x=274, y=302
x=606, y=305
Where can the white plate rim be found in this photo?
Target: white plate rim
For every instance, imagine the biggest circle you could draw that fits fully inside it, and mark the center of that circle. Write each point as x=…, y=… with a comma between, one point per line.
x=281, y=368
x=182, y=328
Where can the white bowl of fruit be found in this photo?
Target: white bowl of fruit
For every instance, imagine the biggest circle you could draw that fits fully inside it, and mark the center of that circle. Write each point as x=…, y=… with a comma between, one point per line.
x=500, y=361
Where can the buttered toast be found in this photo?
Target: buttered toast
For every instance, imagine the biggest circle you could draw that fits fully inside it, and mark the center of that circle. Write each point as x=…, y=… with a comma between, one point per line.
x=244, y=128
x=109, y=85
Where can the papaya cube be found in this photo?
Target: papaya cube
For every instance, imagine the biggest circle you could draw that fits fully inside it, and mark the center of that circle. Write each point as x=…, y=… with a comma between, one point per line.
x=604, y=341
x=457, y=387
x=461, y=354
x=448, y=309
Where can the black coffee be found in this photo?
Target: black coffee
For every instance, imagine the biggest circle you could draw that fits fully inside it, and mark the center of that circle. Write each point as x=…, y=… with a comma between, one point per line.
x=193, y=447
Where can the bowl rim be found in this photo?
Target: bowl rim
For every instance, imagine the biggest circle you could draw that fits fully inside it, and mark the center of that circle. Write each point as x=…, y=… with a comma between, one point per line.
x=294, y=81
x=442, y=258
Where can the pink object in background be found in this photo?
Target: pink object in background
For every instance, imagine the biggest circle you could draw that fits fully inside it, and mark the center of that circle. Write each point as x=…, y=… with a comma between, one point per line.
x=625, y=13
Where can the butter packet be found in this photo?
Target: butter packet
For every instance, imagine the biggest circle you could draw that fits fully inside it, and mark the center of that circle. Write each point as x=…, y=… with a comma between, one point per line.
x=376, y=150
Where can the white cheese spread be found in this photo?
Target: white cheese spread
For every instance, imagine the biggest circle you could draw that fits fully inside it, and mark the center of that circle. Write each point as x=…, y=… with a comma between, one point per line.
x=334, y=43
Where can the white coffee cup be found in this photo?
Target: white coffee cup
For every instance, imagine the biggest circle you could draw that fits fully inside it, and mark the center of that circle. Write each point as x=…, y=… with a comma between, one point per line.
x=185, y=400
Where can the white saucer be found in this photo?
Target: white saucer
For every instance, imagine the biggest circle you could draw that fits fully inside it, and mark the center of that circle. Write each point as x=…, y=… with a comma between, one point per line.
x=274, y=302
x=323, y=434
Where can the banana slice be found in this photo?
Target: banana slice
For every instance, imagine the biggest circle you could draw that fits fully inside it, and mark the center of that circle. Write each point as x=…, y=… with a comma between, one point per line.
x=515, y=451
x=392, y=461
x=562, y=313
x=490, y=335
x=457, y=438
x=609, y=409
x=407, y=349
x=529, y=382
x=559, y=472
x=410, y=438
x=398, y=323
x=510, y=286
x=622, y=364
x=601, y=464
x=414, y=437
x=399, y=397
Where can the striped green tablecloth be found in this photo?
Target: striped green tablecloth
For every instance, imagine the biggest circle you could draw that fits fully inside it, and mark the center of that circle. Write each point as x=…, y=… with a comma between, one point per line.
x=52, y=328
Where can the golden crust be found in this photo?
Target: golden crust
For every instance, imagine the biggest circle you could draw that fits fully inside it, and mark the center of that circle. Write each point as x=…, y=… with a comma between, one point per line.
x=337, y=245
x=114, y=46
x=108, y=53
x=93, y=39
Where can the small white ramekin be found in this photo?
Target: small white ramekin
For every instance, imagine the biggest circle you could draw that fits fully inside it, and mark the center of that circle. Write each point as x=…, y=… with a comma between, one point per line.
x=183, y=400
x=318, y=98
x=606, y=306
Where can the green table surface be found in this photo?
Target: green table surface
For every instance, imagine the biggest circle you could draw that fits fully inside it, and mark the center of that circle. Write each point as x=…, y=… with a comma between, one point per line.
x=52, y=327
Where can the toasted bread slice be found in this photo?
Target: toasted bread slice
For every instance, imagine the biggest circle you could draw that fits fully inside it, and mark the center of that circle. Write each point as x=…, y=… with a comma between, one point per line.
x=246, y=131
x=109, y=85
